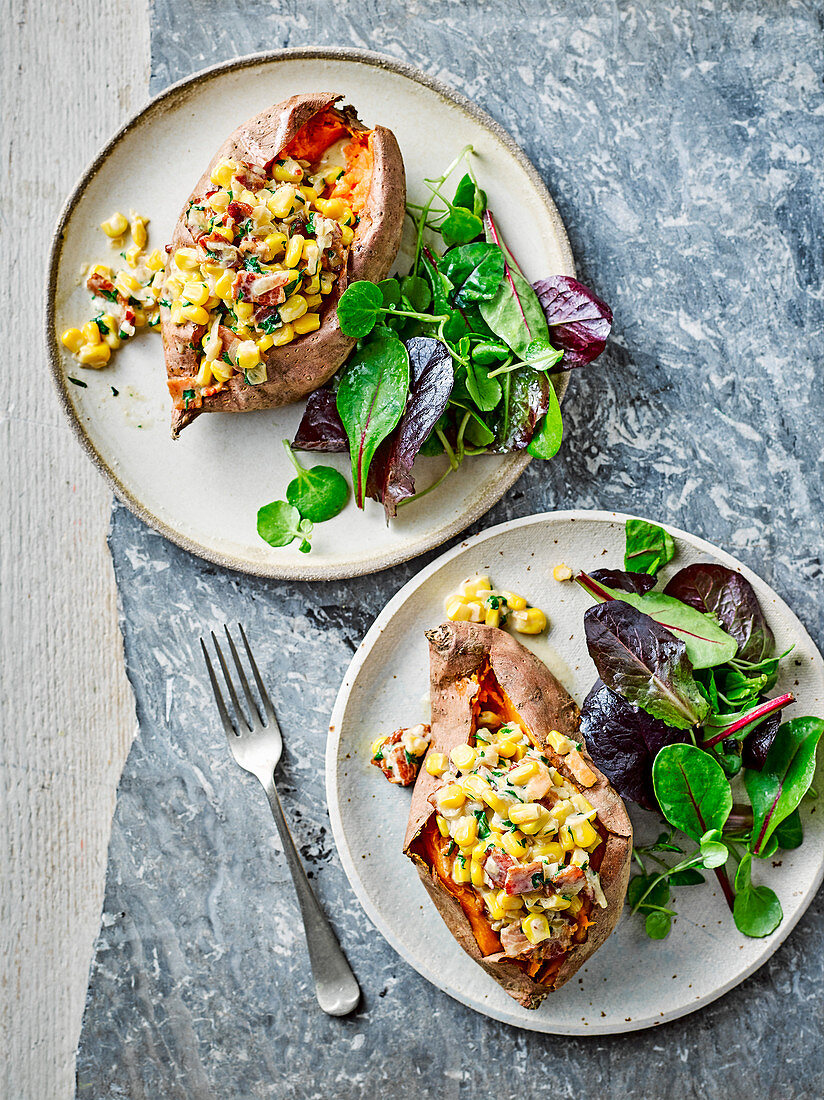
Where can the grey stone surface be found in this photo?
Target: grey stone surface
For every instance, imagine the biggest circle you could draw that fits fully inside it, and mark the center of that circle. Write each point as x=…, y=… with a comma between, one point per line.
x=682, y=143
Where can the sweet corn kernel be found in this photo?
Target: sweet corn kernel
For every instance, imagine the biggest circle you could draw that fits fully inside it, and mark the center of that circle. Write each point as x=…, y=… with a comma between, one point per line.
x=332, y=208
x=565, y=838
x=222, y=173
x=101, y=269
x=196, y=314
x=91, y=333
x=531, y=828
x=513, y=601
x=460, y=870
x=495, y=910
x=557, y=902
x=177, y=313
x=280, y=204
x=186, y=259
x=223, y=285
x=294, y=251
x=327, y=281
x=155, y=261
x=284, y=335
x=309, y=322
x=73, y=339
x=275, y=243
x=530, y=621
x=174, y=287
x=474, y=786
x=457, y=609
x=137, y=225
x=451, y=797
x=557, y=741
x=347, y=234
x=536, y=927
x=222, y=371
x=522, y=773
x=126, y=284
x=511, y=731
x=551, y=849
x=312, y=287
x=313, y=300
x=332, y=175
x=290, y=171
x=579, y=858
x=436, y=763
x=443, y=825
x=115, y=226
x=562, y=572
x=463, y=757
x=466, y=833
x=584, y=834
x=476, y=872
x=525, y=813
x=244, y=311
x=265, y=342
x=513, y=843
x=94, y=355
x=561, y=810
x=309, y=193
x=133, y=255
x=112, y=337
x=576, y=904
x=293, y=308
x=474, y=588
x=493, y=617
x=508, y=902
x=219, y=201
x=224, y=231
x=196, y=294
x=506, y=748
x=247, y=355
x=204, y=374
x=489, y=718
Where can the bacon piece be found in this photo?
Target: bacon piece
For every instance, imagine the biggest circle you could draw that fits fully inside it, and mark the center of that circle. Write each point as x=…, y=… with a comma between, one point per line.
x=526, y=879
x=496, y=865
x=394, y=763
x=515, y=943
x=569, y=880
x=100, y=285
x=219, y=248
x=229, y=340
x=240, y=211
x=254, y=246
x=263, y=290
x=252, y=176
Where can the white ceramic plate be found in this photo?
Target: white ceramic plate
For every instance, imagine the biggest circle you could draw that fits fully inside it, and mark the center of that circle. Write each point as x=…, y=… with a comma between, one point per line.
x=631, y=982
x=204, y=491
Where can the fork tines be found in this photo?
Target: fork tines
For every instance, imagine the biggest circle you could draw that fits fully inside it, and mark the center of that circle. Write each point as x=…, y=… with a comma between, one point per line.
x=255, y=717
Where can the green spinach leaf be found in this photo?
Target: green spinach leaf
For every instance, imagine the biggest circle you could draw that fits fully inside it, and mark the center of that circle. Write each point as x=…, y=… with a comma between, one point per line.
x=648, y=547
x=692, y=790
x=514, y=313
x=550, y=431
x=788, y=771
x=756, y=911
x=371, y=399
x=474, y=270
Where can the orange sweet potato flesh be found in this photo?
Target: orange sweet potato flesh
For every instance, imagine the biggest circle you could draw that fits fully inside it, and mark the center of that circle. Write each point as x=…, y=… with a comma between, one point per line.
x=473, y=668
x=304, y=124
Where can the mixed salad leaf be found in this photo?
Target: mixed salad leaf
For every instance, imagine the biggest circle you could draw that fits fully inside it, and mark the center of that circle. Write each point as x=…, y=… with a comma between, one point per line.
x=681, y=721
x=457, y=357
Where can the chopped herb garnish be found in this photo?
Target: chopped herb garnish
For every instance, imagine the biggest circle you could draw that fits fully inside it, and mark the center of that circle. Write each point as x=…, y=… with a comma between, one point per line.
x=78, y=382
x=378, y=755
x=271, y=323
x=538, y=880
x=102, y=327
x=115, y=393
x=483, y=827
x=450, y=848
x=252, y=264
x=226, y=359
x=188, y=397
x=110, y=295
x=166, y=302
x=123, y=335
x=240, y=294
x=410, y=759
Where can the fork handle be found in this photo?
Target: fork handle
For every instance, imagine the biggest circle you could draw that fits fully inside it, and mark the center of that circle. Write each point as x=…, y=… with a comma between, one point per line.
x=336, y=987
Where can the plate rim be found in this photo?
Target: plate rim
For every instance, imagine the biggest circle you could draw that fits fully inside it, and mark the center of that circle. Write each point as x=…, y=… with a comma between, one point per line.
x=333, y=741
x=513, y=465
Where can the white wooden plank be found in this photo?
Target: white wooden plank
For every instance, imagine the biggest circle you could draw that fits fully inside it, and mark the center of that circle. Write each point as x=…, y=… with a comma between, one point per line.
x=71, y=74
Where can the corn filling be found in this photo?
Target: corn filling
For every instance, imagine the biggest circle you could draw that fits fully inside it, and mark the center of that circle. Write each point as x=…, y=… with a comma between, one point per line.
x=502, y=795
x=132, y=294
x=478, y=602
x=268, y=247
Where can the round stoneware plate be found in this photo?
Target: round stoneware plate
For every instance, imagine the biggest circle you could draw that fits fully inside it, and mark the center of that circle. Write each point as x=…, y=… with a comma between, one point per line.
x=204, y=491
x=387, y=686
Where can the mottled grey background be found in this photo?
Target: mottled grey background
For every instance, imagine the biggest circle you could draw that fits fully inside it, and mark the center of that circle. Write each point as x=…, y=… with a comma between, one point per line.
x=682, y=143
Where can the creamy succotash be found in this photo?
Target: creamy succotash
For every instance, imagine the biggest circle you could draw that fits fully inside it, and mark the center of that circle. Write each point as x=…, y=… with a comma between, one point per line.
x=520, y=835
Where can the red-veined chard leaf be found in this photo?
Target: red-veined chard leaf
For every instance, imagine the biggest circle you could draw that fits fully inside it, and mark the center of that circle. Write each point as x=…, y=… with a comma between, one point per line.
x=785, y=778
x=621, y=581
x=644, y=663
x=579, y=321
x=525, y=399
x=514, y=313
x=321, y=428
x=430, y=384
x=547, y=438
x=707, y=644
x=623, y=740
x=692, y=790
x=371, y=399
x=722, y=592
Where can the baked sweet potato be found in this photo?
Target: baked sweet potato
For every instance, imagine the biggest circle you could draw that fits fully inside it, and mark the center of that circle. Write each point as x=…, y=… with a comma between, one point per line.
x=521, y=842
x=295, y=204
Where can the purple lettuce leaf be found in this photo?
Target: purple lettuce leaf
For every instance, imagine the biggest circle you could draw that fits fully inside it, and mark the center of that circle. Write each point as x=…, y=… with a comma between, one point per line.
x=757, y=744
x=623, y=581
x=623, y=740
x=430, y=384
x=321, y=428
x=525, y=401
x=579, y=321
x=719, y=591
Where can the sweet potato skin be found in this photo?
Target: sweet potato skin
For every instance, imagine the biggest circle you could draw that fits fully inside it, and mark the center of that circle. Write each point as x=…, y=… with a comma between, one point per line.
x=296, y=369
x=457, y=651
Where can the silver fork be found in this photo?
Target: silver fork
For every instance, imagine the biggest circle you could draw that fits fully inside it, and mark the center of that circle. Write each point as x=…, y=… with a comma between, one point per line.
x=256, y=744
